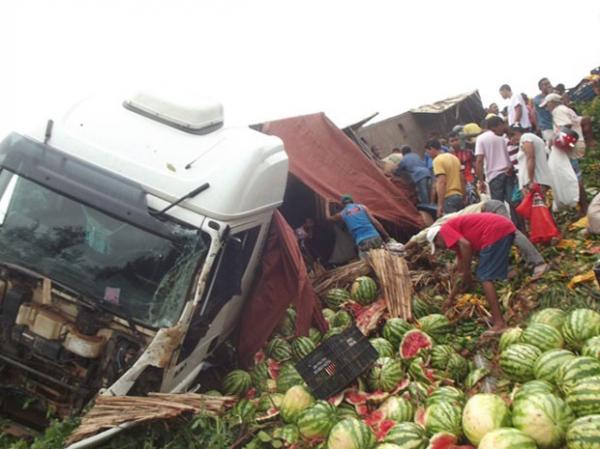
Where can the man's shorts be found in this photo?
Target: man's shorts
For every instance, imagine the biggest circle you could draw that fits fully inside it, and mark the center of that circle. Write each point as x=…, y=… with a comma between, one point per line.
x=368, y=244
x=493, y=260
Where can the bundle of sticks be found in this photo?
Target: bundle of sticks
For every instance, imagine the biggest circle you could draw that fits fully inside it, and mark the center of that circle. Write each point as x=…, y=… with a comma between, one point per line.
x=395, y=280
x=112, y=411
x=340, y=277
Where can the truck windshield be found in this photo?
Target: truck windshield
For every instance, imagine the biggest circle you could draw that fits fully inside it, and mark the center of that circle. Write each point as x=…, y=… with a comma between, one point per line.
x=130, y=271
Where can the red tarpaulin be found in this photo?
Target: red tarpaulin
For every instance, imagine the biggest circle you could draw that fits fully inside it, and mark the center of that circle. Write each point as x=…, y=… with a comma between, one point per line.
x=331, y=164
x=283, y=281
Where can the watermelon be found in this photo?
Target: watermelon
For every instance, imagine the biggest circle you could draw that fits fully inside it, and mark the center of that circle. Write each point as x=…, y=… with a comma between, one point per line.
x=418, y=371
x=442, y=440
x=591, y=347
x=547, y=364
x=544, y=417
x=385, y=374
x=345, y=410
x=259, y=375
x=333, y=331
x=475, y=376
x=482, y=414
x=394, y=329
x=278, y=349
x=506, y=438
x=243, y=411
x=510, y=336
x=436, y=325
x=413, y=342
x=422, y=307
x=517, y=361
x=584, y=397
x=317, y=420
x=301, y=347
x=446, y=394
x=335, y=297
x=443, y=417
x=543, y=336
x=397, y=409
x=384, y=348
x=364, y=290
x=288, y=377
x=584, y=433
x=350, y=433
x=550, y=316
x=458, y=367
x=328, y=314
x=580, y=325
x=269, y=401
x=407, y=436
x=287, y=325
x=237, y=383
x=575, y=370
x=440, y=355
x=288, y=433
x=213, y=393
x=387, y=446
x=315, y=336
x=342, y=319
x=532, y=387
x=294, y=401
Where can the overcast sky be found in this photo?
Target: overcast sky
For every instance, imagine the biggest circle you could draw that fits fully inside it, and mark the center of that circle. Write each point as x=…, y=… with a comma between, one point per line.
x=272, y=59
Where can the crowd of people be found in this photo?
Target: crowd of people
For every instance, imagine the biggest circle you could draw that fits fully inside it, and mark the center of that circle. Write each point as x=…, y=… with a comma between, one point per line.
x=471, y=182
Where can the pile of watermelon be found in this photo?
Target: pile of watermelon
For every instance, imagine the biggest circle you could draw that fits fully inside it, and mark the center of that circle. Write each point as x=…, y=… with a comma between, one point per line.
x=424, y=391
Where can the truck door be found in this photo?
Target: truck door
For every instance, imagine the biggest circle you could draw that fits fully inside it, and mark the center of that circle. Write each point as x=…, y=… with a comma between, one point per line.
x=216, y=316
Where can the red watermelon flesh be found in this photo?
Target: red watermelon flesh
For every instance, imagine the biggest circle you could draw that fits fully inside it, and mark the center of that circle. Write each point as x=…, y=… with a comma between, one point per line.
x=420, y=417
x=273, y=368
x=413, y=343
x=380, y=426
x=259, y=357
x=442, y=440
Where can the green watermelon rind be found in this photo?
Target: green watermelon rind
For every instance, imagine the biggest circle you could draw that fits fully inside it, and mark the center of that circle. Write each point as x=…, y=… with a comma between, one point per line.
x=517, y=361
x=543, y=336
x=544, y=417
x=584, y=433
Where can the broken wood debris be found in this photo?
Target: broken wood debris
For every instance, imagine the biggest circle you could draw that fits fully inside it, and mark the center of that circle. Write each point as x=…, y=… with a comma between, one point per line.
x=113, y=411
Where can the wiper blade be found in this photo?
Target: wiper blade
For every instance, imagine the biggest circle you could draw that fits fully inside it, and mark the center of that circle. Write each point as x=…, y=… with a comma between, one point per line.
x=191, y=194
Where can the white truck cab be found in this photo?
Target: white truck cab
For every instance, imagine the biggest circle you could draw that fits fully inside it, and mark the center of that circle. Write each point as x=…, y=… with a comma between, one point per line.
x=130, y=232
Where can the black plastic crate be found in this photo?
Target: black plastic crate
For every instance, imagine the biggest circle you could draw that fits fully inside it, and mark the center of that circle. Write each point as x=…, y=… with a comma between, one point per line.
x=337, y=362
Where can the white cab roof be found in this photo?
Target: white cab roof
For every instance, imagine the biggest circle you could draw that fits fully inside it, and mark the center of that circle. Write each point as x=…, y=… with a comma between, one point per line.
x=246, y=170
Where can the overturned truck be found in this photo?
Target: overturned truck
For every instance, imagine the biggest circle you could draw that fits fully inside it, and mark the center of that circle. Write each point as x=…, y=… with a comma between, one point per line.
x=129, y=236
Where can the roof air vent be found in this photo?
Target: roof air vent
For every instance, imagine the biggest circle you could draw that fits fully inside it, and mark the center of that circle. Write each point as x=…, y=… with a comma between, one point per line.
x=189, y=113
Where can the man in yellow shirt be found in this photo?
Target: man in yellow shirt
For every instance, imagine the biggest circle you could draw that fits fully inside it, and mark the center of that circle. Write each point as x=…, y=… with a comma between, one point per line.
x=449, y=182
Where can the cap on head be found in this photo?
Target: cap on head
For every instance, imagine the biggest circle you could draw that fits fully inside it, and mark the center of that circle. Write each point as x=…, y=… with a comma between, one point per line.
x=431, y=235
x=550, y=97
x=346, y=199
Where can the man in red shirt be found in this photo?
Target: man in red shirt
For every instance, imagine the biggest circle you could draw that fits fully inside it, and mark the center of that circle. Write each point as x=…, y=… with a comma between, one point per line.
x=491, y=236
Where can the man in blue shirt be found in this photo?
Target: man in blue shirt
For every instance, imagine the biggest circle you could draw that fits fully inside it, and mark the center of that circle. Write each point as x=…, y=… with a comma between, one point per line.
x=544, y=117
x=361, y=224
x=420, y=175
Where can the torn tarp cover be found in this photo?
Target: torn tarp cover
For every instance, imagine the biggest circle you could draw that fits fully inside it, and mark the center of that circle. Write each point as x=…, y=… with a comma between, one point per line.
x=330, y=164
x=283, y=281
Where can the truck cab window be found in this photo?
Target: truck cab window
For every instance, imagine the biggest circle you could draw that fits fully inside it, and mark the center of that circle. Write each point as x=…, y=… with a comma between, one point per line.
x=228, y=275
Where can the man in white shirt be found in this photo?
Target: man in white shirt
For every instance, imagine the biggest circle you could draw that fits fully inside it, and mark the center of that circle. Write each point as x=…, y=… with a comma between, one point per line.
x=532, y=161
x=565, y=117
x=517, y=109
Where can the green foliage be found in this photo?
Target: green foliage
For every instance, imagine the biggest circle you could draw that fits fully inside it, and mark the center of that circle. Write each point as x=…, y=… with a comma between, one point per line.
x=201, y=432
x=53, y=438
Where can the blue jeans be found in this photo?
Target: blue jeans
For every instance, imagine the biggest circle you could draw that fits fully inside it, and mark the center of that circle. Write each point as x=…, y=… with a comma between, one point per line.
x=453, y=203
x=424, y=190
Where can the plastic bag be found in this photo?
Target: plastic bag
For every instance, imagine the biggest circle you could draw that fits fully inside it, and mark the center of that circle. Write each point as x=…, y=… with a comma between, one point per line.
x=565, y=186
x=524, y=209
x=542, y=227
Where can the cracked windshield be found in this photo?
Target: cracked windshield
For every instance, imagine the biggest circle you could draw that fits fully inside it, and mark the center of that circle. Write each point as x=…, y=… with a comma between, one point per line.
x=132, y=272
